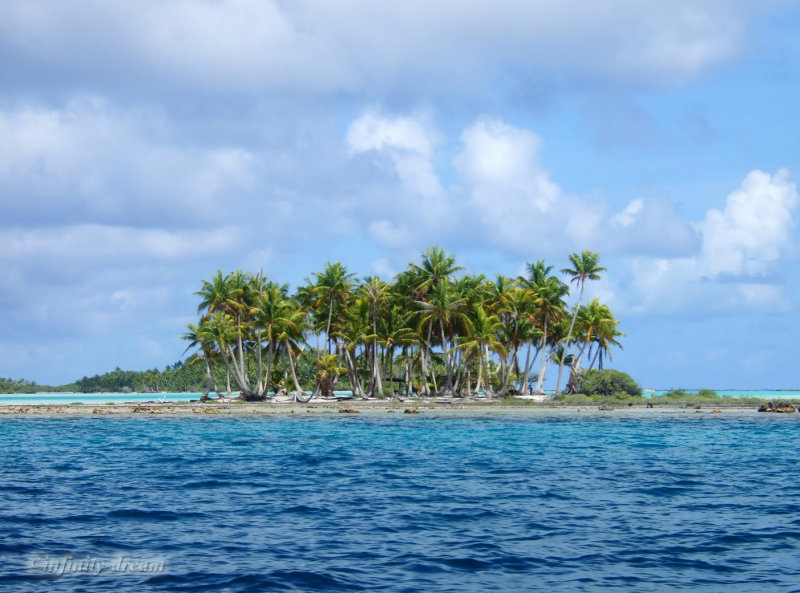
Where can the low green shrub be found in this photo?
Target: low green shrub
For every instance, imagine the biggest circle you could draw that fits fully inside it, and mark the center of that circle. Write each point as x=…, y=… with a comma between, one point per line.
x=608, y=382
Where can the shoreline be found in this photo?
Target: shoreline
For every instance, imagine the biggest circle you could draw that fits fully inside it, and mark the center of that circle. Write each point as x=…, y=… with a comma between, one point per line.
x=378, y=407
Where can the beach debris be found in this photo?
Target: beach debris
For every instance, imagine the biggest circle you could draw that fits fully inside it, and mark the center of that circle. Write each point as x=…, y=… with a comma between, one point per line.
x=778, y=407
x=348, y=411
x=606, y=409
x=410, y=411
x=716, y=411
x=650, y=405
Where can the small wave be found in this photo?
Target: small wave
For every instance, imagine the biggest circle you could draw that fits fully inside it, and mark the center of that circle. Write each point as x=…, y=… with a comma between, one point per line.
x=150, y=515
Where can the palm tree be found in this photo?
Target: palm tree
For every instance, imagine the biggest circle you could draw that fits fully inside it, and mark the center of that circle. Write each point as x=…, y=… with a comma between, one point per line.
x=200, y=336
x=377, y=294
x=585, y=266
x=333, y=287
x=328, y=370
x=436, y=267
x=548, y=308
x=482, y=339
x=416, y=283
x=595, y=324
x=395, y=330
x=445, y=310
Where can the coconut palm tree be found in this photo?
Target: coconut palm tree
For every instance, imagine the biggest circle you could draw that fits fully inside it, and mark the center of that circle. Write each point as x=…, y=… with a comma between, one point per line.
x=442, y=311
x=200, y=336
x=333, y=287
x=376, y=293
x=595, y=324
x=548, y=309
x=585, y=266
x=436, y=267
x=482, y=339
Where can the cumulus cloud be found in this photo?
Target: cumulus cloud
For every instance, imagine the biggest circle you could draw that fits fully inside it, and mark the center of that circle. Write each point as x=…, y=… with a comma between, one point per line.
x=89, y=162
x=736, y=265
x=651, y=226
x=98, y=242
x=408, y=142
x=502, y=196
x=356, y=45
x=750, y=233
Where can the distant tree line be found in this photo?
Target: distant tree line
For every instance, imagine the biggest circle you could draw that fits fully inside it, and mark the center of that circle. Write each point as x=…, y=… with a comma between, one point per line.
x=23, y=386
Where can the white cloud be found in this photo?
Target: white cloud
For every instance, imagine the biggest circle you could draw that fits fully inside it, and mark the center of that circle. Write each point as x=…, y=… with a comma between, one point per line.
x=358, y=45
x=89, y=162
x=501, y=196
x=98, y=242
x=385, y=232
x=408, y=142
x=650, y=226
x=749, y=234
x=736, y=264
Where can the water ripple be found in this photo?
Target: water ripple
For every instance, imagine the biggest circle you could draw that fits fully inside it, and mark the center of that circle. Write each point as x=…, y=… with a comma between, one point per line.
x=404, y=504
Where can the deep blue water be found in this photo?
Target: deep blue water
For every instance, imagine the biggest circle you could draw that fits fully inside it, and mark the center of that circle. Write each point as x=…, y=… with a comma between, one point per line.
x=403, y=503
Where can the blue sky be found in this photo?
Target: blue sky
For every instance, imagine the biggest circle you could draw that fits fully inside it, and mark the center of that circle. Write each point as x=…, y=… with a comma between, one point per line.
x=143, y=146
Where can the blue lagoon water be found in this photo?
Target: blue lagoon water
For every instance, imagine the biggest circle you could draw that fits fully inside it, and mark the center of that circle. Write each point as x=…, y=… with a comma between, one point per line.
x=388, y=502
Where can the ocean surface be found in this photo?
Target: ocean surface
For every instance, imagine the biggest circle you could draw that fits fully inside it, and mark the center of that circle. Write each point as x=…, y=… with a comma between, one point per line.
x=409, y=503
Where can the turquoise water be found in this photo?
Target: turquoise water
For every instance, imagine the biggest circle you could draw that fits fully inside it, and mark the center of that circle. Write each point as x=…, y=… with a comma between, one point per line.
x=761, y=393
x=439, y=503
x=94, y=398
x=101, y=398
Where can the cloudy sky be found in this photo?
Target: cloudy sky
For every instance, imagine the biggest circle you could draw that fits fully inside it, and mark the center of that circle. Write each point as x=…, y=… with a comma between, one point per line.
x=145, y=145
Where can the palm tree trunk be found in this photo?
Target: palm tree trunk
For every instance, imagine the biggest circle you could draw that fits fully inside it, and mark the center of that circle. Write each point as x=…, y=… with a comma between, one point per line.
x=543, y=364
x=408, y=372
x=523, y=379
x=569, y=337
x=328, y=326
x=480, y=370
x=290, y=358
x=352, y=372
x=447, y=356
x=208, y=376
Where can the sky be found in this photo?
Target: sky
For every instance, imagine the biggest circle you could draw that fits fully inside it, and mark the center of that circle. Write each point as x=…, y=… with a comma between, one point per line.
x=143, y=146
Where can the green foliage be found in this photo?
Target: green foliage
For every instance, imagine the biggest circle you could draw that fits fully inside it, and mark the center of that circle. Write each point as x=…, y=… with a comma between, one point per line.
x=683, y=395
x=707, y=393
x=608, y=382
x=676, y=394
x=574, y=399
x=22, y=386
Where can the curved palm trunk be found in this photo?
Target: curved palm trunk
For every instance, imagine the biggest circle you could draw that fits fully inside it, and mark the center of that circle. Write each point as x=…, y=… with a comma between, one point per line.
x=543, y=364
x=572, y=382
x=569, y=337
x=290, y=361
x=524, y=387
x=447, y=360
x=423, y=348
x=488, y=388
x=479, y=384
x=208, y=377
x=328, y=326
x=352, y=373
x=409, y=372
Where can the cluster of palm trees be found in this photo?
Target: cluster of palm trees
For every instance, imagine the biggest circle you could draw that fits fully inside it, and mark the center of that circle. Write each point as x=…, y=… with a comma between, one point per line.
x=431, y=331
